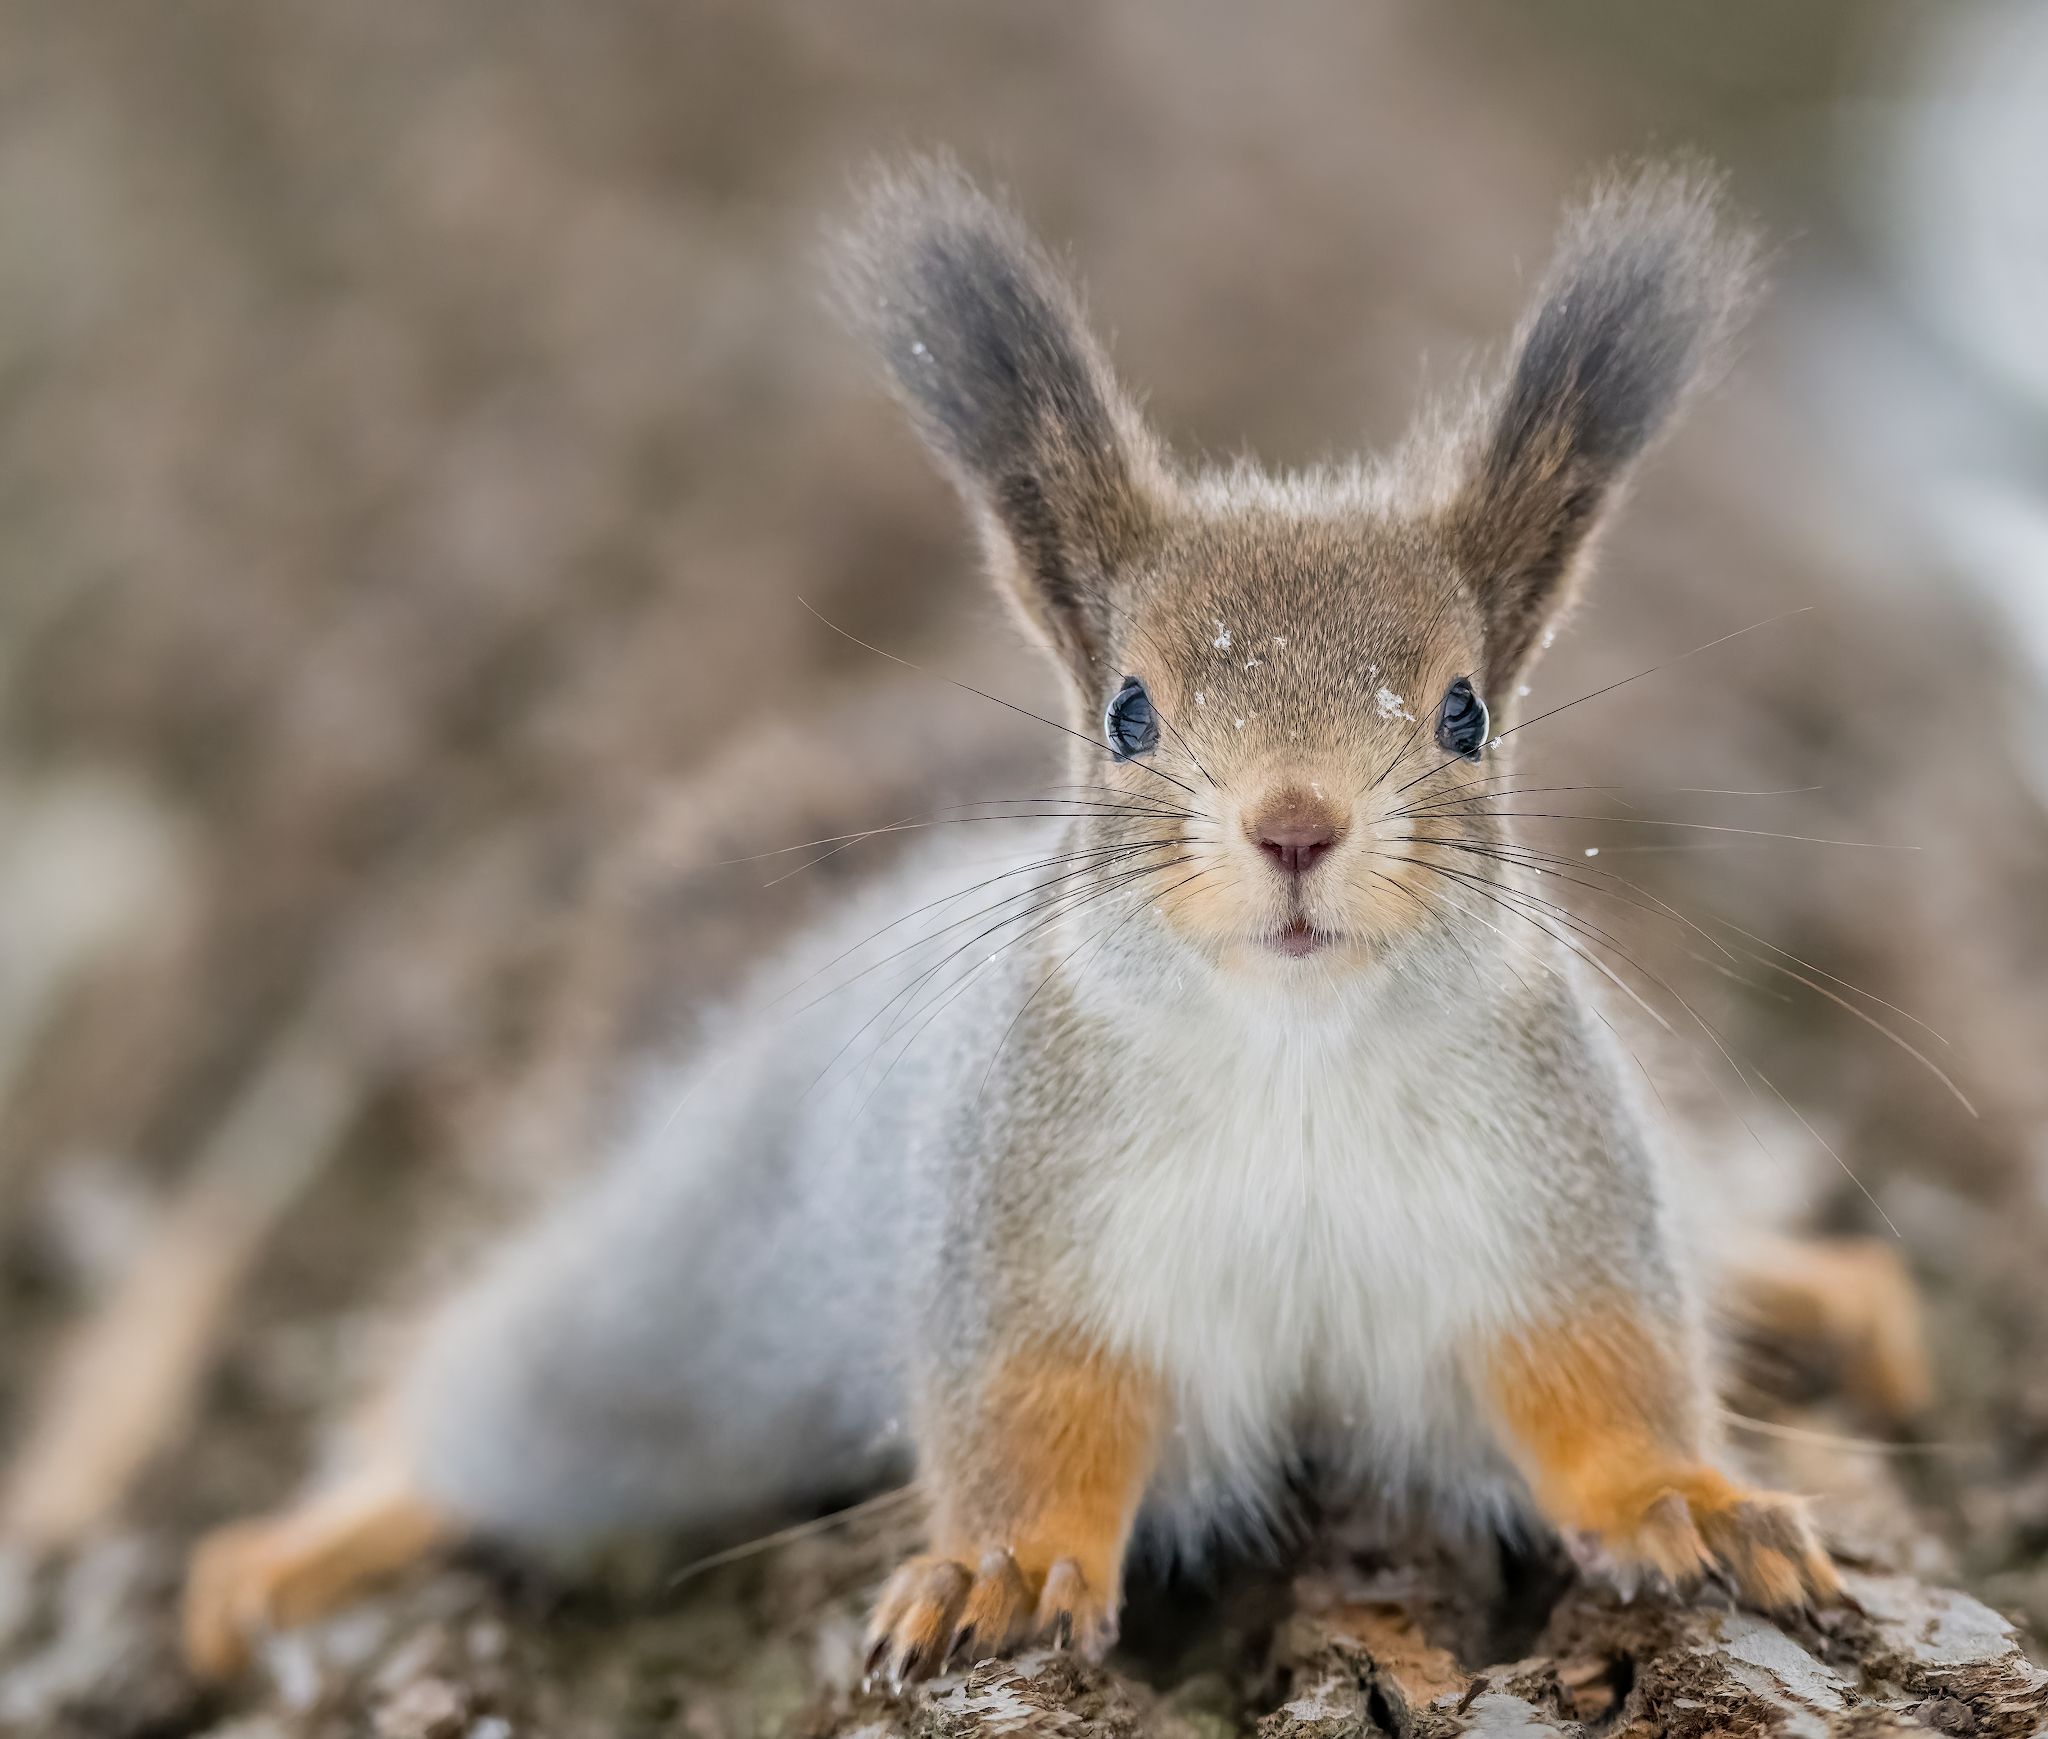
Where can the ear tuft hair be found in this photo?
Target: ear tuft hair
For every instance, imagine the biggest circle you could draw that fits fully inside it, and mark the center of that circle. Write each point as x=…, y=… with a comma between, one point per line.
x=1635, y=313
x=987, y=346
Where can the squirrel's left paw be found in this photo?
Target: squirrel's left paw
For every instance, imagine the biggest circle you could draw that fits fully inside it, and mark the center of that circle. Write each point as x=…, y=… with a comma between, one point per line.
x=935, y=1611
x=1763, y=1543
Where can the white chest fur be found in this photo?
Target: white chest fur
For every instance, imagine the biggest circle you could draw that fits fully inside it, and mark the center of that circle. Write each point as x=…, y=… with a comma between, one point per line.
x=1303, y=1234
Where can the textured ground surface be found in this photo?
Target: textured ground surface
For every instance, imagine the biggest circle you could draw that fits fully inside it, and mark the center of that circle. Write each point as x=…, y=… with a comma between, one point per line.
x=1359, y=1638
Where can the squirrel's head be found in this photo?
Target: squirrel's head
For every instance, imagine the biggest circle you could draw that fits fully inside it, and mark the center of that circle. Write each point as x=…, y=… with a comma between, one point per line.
x=1290, y=685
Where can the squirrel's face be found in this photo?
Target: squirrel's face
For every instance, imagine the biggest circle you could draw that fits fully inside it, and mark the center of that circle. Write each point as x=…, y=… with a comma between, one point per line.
x=1283, y=684
x=1298, y=700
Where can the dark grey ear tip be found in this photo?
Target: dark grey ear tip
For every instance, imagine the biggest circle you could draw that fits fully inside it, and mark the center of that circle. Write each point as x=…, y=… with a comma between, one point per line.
x=1650, y=280
x=916, y=214
x=909, y=192
x=1659, y=243
x=984, y=340
x=1635, y=313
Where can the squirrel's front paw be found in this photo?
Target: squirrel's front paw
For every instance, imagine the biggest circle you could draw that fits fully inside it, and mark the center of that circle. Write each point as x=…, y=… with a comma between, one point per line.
x=1764, y=1543
x=935, y=1610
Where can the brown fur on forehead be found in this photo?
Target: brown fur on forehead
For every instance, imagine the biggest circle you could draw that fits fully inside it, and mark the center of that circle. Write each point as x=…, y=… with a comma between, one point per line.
x=1298, y=623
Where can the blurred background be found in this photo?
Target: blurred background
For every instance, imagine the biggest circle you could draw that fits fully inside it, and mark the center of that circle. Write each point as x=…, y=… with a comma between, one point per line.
x=421, y=423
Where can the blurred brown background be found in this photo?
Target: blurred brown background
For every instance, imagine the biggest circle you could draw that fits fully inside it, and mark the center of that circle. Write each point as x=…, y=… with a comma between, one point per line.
x=421, y=422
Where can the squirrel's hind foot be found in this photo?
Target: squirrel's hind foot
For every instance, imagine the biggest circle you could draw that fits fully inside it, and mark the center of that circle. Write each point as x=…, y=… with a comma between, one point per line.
x=276, y=1572
x=1847, y=1305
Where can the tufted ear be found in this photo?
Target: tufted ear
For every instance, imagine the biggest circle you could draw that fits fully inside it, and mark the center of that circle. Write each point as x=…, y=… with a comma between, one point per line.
x=986, y=345
x=1636, y=311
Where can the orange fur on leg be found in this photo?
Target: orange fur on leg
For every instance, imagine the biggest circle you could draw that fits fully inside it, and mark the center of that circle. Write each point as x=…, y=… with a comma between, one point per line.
x=1853, y=1300
x=291, y=1568
x=1604, y=1422
x=1033, y=1500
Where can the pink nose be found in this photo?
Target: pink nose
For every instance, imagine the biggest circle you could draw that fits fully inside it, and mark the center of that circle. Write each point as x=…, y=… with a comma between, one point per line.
x=1296, y=843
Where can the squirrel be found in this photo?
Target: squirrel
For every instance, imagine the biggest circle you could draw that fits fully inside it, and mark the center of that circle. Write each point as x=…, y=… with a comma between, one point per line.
x=1255, y=1117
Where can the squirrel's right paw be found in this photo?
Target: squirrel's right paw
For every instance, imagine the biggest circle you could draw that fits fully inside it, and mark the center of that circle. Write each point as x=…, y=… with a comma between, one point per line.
x=935, y=1610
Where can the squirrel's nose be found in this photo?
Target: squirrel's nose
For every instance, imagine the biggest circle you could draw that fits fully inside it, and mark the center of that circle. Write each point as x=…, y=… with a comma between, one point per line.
x=1296, y=848
x=1294, y=833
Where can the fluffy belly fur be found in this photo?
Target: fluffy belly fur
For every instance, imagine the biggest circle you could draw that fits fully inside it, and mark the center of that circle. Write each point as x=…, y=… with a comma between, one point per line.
x=1307, y=1254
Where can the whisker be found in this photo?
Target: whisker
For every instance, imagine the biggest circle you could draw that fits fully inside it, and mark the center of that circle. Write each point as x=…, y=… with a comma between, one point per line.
x=1577, y=922
x=1715, y=1038
x=1468, y=785
x=1104, y=851
x=1737, y=634
x=1036, y=892
x=1857, y=989
x=1731, y=791
x=1728, y=972
x=1159, y=712
x=1620, y=1038
x=1060, y=965
x=996, y=699
x=1595, y=694
x=1508, y=853
x=1829, y=1148
x=1870, y=1020
x=1482, y=885
x=910, y=990
x=1857, y=1445
x=1089, y=897
x=1663, y=909
x=882, y=1502
x=875, y=833
x=1159, y=803
x=1629, y=991
x=1071, y=809
x=1702, y=827
x=1398, y=753
x=1449, y=801
x=1680, y=848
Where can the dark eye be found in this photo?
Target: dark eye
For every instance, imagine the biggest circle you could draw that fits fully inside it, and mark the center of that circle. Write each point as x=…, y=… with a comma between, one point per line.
x=1461, y=720
x=1129, y=724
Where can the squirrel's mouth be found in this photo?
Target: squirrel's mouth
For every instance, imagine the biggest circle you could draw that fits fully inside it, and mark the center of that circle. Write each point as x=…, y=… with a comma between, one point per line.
x=1298, y=939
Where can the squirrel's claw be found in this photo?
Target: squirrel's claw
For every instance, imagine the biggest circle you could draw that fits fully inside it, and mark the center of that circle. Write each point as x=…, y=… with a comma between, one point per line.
x=997, y=1610
x=915, y=1620
x=934, y=1613
x=1074, y=1615
x=1762, y=1544
x=1766, y=1546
